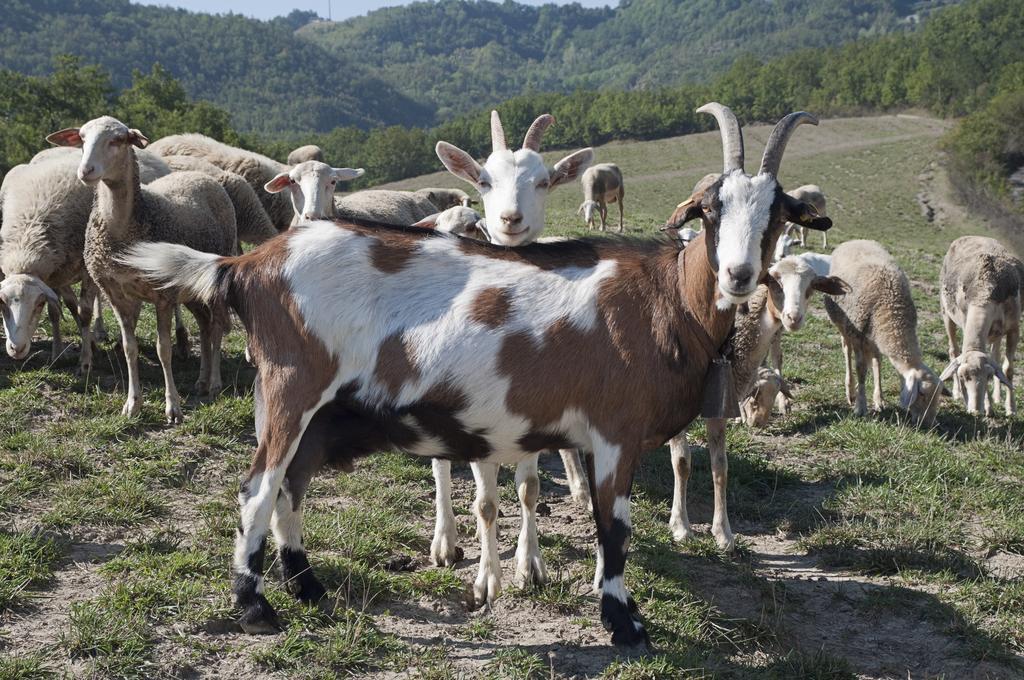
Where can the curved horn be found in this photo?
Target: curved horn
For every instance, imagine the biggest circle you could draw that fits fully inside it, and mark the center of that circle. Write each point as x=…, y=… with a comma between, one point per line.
x=776, y=145
x=497, y=133
x=732, y=135
x=537, y=130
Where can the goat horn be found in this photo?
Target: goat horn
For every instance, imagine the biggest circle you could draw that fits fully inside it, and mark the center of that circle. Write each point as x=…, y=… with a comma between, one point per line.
x=537, y=130
x=732, y=135
x=497, y=133
x=776, y=145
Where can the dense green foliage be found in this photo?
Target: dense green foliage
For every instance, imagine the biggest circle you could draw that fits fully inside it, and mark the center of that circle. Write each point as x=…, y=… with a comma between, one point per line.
x=426, y=62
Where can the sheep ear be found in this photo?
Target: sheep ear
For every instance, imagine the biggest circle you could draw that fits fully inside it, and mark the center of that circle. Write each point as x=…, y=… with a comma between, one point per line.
x=998, y=373
x=950, y=370
x=946, y=392
x=137, y=138
x=347, y=174
x=830, y=285
x=51, y=296
x=775, y=290
x=278, y=183
x=65, y=137
x=570, y=167
x=428, y=222
x=481, y=226
x=459, y=163
x=910, y=391
x=804, y=214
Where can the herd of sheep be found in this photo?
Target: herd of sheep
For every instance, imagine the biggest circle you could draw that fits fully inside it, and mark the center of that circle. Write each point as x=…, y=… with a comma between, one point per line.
x=75, y=213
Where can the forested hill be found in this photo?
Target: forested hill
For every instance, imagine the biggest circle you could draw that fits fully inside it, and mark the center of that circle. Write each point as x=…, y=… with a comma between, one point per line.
x=422, y=63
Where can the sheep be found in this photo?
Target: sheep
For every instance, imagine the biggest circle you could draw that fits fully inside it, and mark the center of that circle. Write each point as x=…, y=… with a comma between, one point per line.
x=43, y=235
x=784, y=246
x=254, y=168
x=780, y=304
x=311, y=188
x=384, y=205
x=252, y=223
x=184, y=207
x=981, y=294
x=151, y=166
x=310, y=152
x=756, y=408
x=878, y=317
x=602, y=184
x=457, y=220
x=821, y=264
x=812, y=195
x=370, y=336
x=447, y=198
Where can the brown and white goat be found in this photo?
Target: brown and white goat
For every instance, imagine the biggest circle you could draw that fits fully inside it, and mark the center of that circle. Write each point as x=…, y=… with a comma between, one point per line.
x=370, y=337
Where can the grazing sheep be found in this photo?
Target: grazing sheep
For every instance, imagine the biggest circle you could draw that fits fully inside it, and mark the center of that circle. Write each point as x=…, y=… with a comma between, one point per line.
x=45, y=212
x=310, y=152
x=878, y=317
x=254, y=168
x=780, y=304
x=252, y=223
x=446, y=347
x=311, y=187
x=981, y=294
x=384, y=205
x=756, y=408
x=447, y=198
x=602, y=184
x=184, y=207
x=812, y=195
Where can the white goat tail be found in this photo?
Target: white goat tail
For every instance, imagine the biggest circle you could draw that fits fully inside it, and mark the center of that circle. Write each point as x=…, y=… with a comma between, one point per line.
x=169, y=265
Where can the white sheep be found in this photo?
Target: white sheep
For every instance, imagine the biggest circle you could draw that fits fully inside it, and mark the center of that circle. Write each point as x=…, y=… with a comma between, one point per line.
x=43, y=235
x=878, y=317
x=602, y=184
x=255, y=168
x=447, y=198
x=981, y=294
x=252, y=223
x=812, y=195
x=184, y=207
x=151, y=166
x=457, y=220
x=756, y=408
x=311, y=186
x=384, y=205
x=310, y=152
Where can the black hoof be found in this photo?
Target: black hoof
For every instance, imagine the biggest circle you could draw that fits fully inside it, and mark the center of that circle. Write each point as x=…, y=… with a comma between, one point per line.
x=259, y=618
x=307, y=590
x=632, y=636
x=298, y=576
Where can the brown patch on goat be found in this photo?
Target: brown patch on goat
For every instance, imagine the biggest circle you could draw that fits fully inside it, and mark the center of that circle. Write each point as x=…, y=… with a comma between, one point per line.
x=388, y=258
x=492, y=307
x=395, y=365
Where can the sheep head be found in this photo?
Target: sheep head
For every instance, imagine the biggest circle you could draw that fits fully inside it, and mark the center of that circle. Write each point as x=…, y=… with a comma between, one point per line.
x=311, y=185
x=105, y=144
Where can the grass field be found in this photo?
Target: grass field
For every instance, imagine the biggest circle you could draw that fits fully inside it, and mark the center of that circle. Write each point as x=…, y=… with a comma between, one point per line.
x=867, y=548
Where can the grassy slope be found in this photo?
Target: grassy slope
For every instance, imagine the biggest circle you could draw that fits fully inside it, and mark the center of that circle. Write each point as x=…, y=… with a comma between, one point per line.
x=867, y=547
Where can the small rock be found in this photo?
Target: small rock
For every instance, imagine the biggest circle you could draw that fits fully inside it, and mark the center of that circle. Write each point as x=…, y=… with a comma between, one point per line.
x=543, y=509
x=399, y=563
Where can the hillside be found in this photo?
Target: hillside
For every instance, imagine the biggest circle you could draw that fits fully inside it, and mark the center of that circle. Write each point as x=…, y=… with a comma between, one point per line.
x=867, y=549
x=423, y=63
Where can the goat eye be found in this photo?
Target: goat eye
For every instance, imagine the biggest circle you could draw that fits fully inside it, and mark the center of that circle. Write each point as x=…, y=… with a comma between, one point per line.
x=544, y=184
x=484, y=184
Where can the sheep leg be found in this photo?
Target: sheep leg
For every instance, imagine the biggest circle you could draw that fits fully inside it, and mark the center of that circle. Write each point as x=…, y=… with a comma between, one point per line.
x=860, y=408
x=172, y=402
x=127, y=313
x=876, y=377
x=803, y=236
x=180, y=334
x=53, y=309
x=99, y=332
x=848, y=356
x=604, y=216
x=444, y=549
x=679, y=520
x=954, y=352
x=530, y=569
x=614, y=530
x=487, y=586
x=783, y=403
x=1012, y=337
x=574, y=475
x=86, y=302
x=824, y=236
x=622, y=225
x=996, y=352
x=720, y=528
x=71, y=300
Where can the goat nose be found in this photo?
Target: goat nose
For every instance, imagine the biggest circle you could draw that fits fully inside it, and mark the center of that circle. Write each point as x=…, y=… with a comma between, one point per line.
x=740, y=274
x=511, y=217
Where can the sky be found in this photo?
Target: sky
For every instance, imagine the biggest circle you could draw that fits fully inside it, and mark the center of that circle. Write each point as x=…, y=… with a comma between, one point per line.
x=340, y=9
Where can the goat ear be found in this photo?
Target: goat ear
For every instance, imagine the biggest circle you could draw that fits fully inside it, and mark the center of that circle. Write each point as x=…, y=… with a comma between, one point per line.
x=65, y=137
x=830, y=285
x=570, y=167
x=949, y=370
x=998, y=373
x=804, y=214
x=278, y=183
x=136, y=138
x=347, y=174
x=428, y=222
x=459, y=163
x=687, y=210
